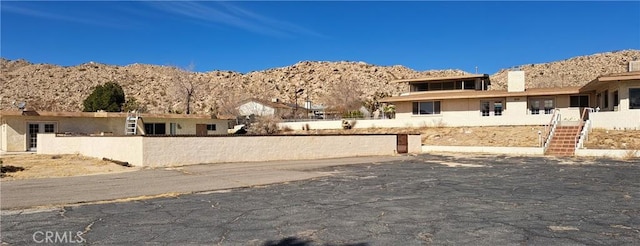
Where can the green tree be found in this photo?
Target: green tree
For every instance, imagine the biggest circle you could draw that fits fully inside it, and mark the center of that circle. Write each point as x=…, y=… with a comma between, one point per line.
x=108, y=97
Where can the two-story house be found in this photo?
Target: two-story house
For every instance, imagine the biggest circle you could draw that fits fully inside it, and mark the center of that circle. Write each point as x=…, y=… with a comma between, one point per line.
x=467, y=101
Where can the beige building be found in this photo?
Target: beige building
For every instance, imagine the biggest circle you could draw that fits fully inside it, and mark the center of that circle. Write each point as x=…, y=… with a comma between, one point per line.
x=467, y=101
x=19, y=129
x=265, y=108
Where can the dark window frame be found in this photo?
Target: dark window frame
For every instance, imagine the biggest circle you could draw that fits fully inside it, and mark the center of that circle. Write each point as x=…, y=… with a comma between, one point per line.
x=155, y=128
x=211, y=127
x=634, y=98
x=436, y=108
x=579, y=101
x=541, y=101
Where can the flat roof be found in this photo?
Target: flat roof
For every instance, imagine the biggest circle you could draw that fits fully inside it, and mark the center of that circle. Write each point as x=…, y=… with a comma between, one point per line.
x=472, y=94
x=601, y=80
x=100, y=114
x=469, y=76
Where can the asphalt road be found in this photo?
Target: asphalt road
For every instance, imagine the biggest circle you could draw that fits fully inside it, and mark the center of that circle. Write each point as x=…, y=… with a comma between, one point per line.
x=439, y=200
x=20, y=194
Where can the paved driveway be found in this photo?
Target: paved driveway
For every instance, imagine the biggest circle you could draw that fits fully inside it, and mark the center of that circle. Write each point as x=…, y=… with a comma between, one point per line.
x=439, y=200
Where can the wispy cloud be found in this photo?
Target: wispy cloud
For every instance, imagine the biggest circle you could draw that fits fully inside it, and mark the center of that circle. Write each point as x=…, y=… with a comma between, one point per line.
x=33, y=11
x=232, y=15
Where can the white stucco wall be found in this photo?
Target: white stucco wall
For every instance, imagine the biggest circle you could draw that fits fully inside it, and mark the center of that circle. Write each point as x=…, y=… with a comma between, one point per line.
x=450, y=119
x=484, y=149
x=3, y=136
x=185, y=150
x=120, y=148
x=172, y=151
x=609, y=153
x=628, y=119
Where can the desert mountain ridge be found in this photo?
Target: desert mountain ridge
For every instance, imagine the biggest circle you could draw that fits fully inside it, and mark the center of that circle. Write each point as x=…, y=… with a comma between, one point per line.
x=159, y=88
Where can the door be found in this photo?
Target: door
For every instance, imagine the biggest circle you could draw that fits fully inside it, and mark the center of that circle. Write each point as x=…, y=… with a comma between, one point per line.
x=32, y=138
x=201, y=130
x=32, y=133
x=403, y=143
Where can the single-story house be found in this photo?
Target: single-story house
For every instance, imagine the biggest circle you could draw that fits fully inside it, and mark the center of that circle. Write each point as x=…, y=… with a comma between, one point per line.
x=467, y=101
x=260, y=107
x=19, y=129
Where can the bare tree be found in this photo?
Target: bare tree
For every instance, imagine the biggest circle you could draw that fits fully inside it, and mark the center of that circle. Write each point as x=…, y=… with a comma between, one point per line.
x=186, y=86
x=228, y=100
x=343, y=96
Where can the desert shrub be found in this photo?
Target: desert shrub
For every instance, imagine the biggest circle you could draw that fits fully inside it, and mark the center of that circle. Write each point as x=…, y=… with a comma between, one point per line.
x=287, y=129
x=353, y=114
x=108, y=97
x=265, y=125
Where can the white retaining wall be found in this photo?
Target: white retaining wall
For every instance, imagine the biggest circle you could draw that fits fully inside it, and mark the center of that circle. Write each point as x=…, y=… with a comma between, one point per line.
x=174, y=151
x=118, y=148
x=484, y=149
x=610, y=153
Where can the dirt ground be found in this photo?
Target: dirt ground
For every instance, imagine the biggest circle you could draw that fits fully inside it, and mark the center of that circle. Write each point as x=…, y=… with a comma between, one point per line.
x=509, y=136
x=45, y=166
x=613, y=139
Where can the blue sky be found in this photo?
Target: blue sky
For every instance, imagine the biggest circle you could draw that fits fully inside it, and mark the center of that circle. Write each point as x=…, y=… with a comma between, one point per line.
x=251, y=36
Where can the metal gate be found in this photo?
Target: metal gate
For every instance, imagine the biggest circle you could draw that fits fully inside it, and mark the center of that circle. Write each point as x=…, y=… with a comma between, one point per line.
x=402, y=143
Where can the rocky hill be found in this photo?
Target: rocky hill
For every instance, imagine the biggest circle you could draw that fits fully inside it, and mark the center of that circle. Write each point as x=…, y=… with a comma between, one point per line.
x=58, y=88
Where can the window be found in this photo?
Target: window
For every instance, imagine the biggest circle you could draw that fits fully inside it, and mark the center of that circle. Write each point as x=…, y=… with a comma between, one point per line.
x=211, y=127
x=448, y=86
x=487, y=106
x=172, y=128
x=49, y=128
x=484, y=108
x=605, y=103
x=579, y=101
x=634, y=98
x=599, y=99
x=616, y=99
x=431, y=107
x=420, y=87
x=469, y=84
x=155, y=128
x=547, y=104
x=497, y=108
x=435, y=86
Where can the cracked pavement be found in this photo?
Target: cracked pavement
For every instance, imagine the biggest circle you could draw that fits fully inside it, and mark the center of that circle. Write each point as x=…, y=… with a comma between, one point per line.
x=424, y=200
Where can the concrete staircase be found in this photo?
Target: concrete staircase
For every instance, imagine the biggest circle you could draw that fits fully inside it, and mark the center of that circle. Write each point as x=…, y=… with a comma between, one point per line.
x=563, y=142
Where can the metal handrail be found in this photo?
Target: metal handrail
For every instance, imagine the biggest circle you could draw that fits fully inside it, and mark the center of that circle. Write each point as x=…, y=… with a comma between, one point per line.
x=582, y=120
x=551, y=127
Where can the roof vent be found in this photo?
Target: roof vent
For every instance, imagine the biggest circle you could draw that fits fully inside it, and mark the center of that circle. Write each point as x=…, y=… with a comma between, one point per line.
x=634, y=66
x=275, y=100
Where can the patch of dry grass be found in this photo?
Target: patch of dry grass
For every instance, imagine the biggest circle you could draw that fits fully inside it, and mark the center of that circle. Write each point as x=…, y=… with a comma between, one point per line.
x=613, y=139
x=47, y=166
x=511, y=136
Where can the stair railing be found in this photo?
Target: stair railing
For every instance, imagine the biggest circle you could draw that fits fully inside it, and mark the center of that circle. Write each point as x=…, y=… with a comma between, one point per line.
x=583, y=129
x=550, y=129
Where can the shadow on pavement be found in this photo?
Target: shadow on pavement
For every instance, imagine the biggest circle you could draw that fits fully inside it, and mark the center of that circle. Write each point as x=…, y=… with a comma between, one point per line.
x=294, y=241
